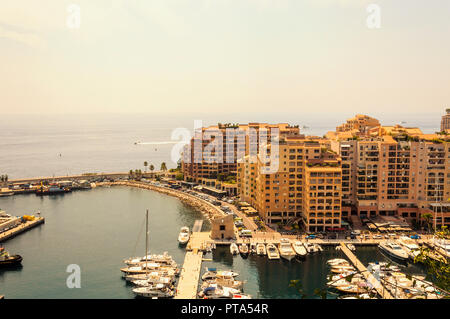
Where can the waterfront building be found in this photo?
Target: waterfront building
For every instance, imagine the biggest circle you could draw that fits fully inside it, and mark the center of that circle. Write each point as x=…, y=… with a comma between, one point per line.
x=197, y=163
x=394, y=171
x=445, y=122
x=223, y=228
x=306, y=186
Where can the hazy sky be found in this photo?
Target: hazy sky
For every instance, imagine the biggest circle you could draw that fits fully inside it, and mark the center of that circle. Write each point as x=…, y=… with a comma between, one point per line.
x=228, y=55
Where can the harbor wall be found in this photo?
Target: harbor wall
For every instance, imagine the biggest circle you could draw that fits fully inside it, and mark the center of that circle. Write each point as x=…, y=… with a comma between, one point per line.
x=209, y=210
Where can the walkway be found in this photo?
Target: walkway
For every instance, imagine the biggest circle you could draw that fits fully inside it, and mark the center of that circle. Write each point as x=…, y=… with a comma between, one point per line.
x=190, y=275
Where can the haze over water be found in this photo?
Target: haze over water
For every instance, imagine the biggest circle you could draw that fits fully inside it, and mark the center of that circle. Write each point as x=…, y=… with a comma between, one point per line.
x=31, y=144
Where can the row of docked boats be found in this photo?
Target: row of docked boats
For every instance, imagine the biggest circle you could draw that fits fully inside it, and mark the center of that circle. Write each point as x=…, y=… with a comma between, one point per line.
x=221, y=284
x=403, y=286
x=285, y=249
x=346, y=280
x=406, y=249
x=153, y=275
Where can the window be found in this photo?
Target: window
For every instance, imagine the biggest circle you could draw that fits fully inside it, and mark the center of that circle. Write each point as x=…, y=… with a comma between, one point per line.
x=222, y=227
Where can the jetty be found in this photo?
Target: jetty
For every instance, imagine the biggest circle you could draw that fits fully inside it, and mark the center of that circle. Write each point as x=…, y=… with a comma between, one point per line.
x=189, y=277
x=381, y=290
x=190, y=273
x=21, y=228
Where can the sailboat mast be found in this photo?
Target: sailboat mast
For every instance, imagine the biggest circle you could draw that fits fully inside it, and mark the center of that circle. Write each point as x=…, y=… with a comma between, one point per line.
x=146, y=241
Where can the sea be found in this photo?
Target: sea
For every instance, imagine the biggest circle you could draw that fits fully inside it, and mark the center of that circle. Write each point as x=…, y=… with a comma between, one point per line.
x=98, y=228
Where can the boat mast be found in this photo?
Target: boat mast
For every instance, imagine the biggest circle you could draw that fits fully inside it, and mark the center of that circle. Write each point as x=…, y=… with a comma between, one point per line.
x=146, y=241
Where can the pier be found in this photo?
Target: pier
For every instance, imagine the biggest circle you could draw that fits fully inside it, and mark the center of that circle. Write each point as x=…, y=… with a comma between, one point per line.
x=21, y=228
x=197, y=226
x=190, y=275
x=363, y=270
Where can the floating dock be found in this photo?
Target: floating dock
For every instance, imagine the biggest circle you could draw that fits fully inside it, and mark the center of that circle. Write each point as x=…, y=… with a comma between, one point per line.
x=21, y=228
x=382, y=291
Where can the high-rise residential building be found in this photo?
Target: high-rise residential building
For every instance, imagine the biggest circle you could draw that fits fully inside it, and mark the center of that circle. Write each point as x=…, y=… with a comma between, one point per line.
x=306, y=184
x=445, y=122
x=237, y=141
x=394, y=171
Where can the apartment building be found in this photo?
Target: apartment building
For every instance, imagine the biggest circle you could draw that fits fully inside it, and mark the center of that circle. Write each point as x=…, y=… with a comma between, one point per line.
x=234, y=141
x=306, y=185
x=445, y=122
x=394, y=171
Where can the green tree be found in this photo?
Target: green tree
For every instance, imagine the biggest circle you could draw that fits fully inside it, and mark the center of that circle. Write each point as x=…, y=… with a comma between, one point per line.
x=145, y=165
x=163, y=166
x=428, y=218
x=438, y=269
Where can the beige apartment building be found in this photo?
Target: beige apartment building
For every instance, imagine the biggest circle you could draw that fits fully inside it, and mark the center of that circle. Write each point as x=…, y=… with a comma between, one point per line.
x=243, y=140
x=306, y=185
x=445, y=122
x=394, y=171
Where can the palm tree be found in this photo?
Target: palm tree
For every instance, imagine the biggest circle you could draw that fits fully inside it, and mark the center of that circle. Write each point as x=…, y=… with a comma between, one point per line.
x=152, y=167
x=428, y=217
x=145, y=165
x=163, y=166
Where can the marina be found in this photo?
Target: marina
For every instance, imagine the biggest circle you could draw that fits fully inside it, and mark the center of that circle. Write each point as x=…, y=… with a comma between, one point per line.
x=199, y=253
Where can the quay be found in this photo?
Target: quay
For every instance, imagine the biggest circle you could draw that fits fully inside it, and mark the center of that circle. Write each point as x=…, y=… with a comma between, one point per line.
x=21, y=228
x=363, y=270
x=190, y=273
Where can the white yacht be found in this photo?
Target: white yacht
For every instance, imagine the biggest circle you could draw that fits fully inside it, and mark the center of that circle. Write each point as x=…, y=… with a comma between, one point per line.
x=338, y=262
x=299, y=249
x=442, y=246
x=261, y=249
x=411, y=248
x=155, y=291
x=309, y=247
x=183, y=237
x=272, y=252
x=234, y=249
x=163, y=259
x=286, y=250
x=153, y=280
x=394, y=250
x=216, y=291
x=212, y=273
x=243, y=249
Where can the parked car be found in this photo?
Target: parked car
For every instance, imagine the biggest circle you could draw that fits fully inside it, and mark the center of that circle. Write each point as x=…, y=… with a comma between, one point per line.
x=415, y=237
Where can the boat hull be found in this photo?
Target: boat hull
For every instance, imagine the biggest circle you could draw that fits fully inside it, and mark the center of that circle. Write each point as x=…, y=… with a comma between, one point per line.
x=393, y=256
x=11, y=261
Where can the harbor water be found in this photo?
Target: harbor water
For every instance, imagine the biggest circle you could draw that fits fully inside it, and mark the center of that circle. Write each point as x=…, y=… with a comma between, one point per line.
x=96, y=229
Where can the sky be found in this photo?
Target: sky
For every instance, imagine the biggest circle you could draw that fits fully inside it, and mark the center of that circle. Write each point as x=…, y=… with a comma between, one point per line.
x=180, y=56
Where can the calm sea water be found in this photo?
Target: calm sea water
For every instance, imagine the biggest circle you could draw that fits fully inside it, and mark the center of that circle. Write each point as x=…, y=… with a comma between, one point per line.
x=47, y=145
x=97, y=229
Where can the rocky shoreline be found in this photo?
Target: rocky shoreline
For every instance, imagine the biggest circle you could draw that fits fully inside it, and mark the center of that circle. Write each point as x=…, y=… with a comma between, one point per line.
x=207, y=209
